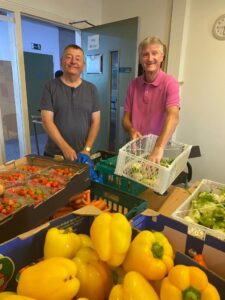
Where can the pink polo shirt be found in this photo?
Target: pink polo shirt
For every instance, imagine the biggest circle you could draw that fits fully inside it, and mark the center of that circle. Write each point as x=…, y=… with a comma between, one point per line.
x=147, y=102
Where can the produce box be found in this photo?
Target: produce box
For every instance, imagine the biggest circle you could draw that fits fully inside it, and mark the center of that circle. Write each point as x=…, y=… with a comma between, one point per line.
x=218, y=282
x=212, y=249
x=33, y=213
x=204, y=210
x=133, y=163
x=106, y=169
x=28, y=248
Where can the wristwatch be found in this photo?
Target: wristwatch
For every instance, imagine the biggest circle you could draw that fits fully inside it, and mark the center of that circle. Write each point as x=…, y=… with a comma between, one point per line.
x=88, y=149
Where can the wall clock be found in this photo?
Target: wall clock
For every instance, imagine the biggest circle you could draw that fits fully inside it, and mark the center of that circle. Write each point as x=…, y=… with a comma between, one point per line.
x=219, y=28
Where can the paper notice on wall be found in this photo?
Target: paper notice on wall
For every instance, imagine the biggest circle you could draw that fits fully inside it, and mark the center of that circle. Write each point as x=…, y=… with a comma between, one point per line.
x=93, y=42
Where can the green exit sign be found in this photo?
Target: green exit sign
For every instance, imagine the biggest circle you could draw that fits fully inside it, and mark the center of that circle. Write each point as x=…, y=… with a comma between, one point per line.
x=36, y=46
x=125, y=69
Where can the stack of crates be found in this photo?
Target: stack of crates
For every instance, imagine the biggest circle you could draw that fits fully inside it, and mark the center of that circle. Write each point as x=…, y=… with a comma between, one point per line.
x=118, y=201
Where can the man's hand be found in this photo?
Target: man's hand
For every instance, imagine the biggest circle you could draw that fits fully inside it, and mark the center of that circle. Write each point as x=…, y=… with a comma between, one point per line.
x=134, y=134
x=157, y=154
x=69, y=153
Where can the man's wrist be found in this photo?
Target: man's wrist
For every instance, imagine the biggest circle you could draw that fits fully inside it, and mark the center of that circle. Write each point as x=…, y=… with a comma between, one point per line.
x=159, y=147
x=131, y=130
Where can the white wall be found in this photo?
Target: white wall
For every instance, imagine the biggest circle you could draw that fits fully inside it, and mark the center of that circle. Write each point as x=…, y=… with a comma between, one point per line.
x=203, y=92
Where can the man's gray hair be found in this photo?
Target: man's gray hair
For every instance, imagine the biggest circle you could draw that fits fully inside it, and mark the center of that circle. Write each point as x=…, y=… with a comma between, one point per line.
x=151, y=41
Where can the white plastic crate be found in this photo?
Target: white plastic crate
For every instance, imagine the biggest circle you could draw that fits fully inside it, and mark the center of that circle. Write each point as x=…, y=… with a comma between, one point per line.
x=185, y=209
x=133, y=163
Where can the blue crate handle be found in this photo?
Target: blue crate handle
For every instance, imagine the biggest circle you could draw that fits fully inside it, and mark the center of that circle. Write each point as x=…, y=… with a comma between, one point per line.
x=85, y=159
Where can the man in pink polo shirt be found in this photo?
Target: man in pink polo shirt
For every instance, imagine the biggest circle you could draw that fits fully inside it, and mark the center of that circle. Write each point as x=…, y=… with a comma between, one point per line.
x=152, y=102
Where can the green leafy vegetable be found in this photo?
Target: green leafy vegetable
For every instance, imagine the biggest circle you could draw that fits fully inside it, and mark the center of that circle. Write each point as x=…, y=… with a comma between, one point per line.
x=207, y=210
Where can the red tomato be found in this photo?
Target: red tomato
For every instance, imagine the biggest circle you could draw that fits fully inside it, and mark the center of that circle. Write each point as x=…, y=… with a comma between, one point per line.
x=43, y=180
x=35, y=180
x=21, y=192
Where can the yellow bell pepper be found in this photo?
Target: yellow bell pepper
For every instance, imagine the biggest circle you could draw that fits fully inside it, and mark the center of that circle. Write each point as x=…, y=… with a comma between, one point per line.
x=94, y=275
x=150, y=254
x=85, y=240
x=13, y=296
x=61, y=243
x=134, y=286
x=111, y=236
x=6, y=293
x=187, y=283
x=50, y=279
x=17, y=297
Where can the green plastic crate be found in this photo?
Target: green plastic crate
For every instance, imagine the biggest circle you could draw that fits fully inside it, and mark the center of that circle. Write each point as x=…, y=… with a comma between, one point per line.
x=118, y=201
x=106, y=168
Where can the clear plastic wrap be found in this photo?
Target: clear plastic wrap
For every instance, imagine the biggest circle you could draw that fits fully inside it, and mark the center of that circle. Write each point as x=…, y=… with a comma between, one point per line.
x=30, y=194
x=54, y=184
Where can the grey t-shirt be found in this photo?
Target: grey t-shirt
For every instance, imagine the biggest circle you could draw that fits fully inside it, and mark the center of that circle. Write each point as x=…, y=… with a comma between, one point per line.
x=72, y=108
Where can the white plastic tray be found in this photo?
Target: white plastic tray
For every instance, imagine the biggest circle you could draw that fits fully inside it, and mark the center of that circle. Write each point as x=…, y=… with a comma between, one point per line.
x=133, y=163
x=183, y=210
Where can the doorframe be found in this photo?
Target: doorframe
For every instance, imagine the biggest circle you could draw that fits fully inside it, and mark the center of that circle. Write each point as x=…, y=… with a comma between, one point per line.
x=117, y=100
x=18, y=84
x=2, y=147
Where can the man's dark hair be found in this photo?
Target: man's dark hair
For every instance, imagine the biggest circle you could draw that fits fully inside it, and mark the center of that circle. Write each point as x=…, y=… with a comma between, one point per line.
x=58, y=73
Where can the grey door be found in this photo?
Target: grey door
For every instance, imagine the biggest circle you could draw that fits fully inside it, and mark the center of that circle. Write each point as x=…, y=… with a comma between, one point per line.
x=117, y=50
x=38, y=70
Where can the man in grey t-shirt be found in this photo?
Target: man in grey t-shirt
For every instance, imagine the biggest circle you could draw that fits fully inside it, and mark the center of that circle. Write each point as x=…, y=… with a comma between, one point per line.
x=70, y=108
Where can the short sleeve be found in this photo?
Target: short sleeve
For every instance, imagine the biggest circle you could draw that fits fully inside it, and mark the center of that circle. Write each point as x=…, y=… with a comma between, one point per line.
x=96, y=102
x=128, y=99
x=173, y=96
x=46, y=98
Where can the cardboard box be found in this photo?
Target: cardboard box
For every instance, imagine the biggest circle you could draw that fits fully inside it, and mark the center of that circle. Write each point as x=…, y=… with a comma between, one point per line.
x=166, y=203
x=32, y=216
x=182, y=240
x=218, y=282
x=28, y=247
